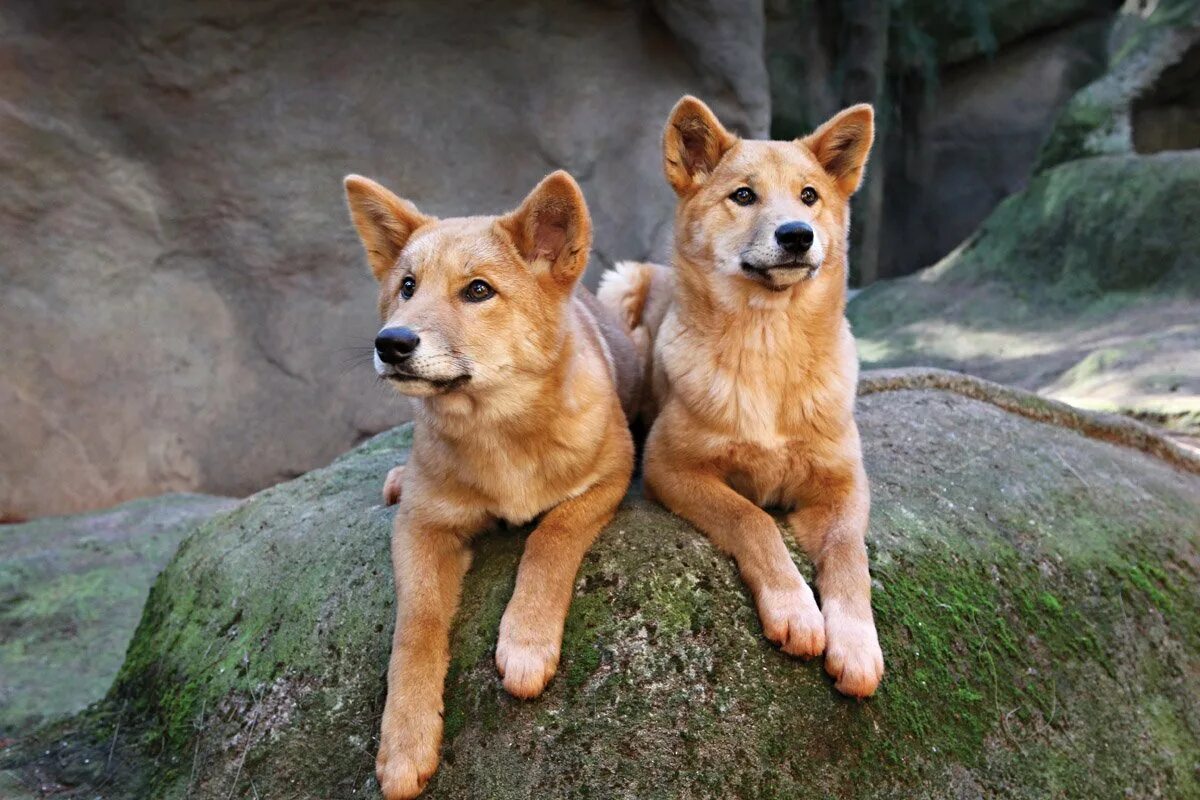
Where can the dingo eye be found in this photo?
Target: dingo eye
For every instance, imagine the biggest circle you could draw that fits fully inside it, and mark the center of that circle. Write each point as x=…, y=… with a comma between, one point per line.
x=407, y=287
x=808, y=196
x=743, y=196
x=478, y=291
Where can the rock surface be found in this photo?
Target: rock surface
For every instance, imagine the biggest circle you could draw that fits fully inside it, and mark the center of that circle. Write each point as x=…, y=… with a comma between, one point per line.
x=181, y=287
x=965, y=93
x=1086, y=285
x=70, y=593
x=974, y=139
x=1036, y=592
x=1148, y=87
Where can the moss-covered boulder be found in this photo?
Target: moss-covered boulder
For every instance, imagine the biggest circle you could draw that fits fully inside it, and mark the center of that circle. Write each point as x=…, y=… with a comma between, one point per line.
x=1036, y=589
x=1084, y=287
x=71, y=592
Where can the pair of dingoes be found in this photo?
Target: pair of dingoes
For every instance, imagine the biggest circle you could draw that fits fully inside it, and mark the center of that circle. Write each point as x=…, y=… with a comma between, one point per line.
x=738, y=359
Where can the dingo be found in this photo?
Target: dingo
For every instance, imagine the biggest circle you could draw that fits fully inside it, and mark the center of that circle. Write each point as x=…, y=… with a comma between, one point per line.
x=519, y=383
x=753, y=372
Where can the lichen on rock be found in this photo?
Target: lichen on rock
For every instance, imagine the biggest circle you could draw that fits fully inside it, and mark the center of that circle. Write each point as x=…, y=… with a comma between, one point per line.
x=70, y=593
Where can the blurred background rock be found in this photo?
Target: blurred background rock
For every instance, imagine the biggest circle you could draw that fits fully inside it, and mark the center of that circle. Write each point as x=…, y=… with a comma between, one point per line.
x=181, y=287
x=183, y=304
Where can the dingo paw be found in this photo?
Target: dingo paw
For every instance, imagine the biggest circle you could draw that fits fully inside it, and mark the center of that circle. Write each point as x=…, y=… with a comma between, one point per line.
x=526, y=661
x=392, y=485
x=853, y=657
x=791, y=619
x=408, y=757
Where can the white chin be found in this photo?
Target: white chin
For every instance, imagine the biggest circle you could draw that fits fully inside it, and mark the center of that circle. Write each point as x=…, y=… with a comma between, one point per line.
x=426, y=387
x=416, y=388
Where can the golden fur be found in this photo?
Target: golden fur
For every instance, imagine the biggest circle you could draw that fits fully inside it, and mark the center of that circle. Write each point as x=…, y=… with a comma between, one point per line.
x=517, y=415
x=753, y=373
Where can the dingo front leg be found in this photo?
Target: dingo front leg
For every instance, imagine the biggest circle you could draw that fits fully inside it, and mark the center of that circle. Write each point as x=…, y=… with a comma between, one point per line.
x=531, y=631
x=429, y=562
x=786, y=606
x=833, y=530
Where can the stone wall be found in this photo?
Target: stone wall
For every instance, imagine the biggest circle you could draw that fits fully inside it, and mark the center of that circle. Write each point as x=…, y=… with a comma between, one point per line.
x=183, y=303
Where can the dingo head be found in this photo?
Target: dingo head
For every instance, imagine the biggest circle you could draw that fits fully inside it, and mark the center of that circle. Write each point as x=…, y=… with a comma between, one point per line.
x=469, y=303
x=762, y=211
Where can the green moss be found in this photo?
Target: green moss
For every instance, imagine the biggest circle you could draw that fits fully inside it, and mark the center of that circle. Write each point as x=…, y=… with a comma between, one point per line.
x=1097, y=120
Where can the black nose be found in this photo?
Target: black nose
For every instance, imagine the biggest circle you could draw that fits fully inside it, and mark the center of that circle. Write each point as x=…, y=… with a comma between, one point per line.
x=396, y=344
x=795, y=237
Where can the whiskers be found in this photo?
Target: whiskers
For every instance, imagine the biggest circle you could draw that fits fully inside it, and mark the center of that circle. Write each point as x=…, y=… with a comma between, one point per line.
x=355, y=357
x=354, y=364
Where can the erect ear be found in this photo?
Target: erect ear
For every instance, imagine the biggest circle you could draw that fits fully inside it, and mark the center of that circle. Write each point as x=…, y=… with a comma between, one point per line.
x=693, y=142
x=552, y=229
x=384, y=221
x=843, y=143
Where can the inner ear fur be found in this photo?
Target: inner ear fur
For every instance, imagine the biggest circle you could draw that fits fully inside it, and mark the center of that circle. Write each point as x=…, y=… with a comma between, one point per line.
x=552, y=228
x=693, y=143
x=843, y=143
x=384, y=221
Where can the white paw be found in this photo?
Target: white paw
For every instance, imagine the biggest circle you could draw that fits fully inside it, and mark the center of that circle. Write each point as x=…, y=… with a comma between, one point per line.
x=791, y=619
x=405, y=764
x=853, y=657
x=526, y=661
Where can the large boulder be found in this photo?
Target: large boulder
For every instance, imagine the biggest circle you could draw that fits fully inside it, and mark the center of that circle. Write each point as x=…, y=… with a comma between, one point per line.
x=181, y=288
x=962, y=147
x=1148, y=100
x=1036, y=588
x=71, y=591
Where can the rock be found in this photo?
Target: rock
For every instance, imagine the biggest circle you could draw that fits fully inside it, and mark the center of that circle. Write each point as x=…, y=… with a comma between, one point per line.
x=1086, y=285
x=1035, y=590
x=182, y=289
x=966, y=94
x=1147, y=101
x=952, y=32
x=951, y=160
x=70, y=593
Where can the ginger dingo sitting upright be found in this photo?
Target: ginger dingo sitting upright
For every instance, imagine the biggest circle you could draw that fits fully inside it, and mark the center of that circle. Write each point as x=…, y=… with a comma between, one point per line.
x=518, y=383
x=754, y=369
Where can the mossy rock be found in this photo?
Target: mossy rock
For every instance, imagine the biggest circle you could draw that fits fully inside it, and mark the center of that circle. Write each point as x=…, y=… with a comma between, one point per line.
x=1084, y=287
x=1100, y=119
x=1035, y=590
x=70, y=593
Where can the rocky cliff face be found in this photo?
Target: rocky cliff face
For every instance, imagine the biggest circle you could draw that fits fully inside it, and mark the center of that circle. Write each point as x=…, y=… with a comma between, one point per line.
x=1035, y=591
x=1086, y=285
x=181, y=289
x=966, y=93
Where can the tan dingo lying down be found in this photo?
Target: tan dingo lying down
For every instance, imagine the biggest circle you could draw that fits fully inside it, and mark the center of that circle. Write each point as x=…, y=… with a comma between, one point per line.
x=518, y=380
x=753, y=372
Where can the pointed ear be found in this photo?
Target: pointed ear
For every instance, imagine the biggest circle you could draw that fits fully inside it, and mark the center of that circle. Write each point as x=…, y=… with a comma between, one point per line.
x=693, y=143
x=843, y=143
x=384, y=221
x=552, y=229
